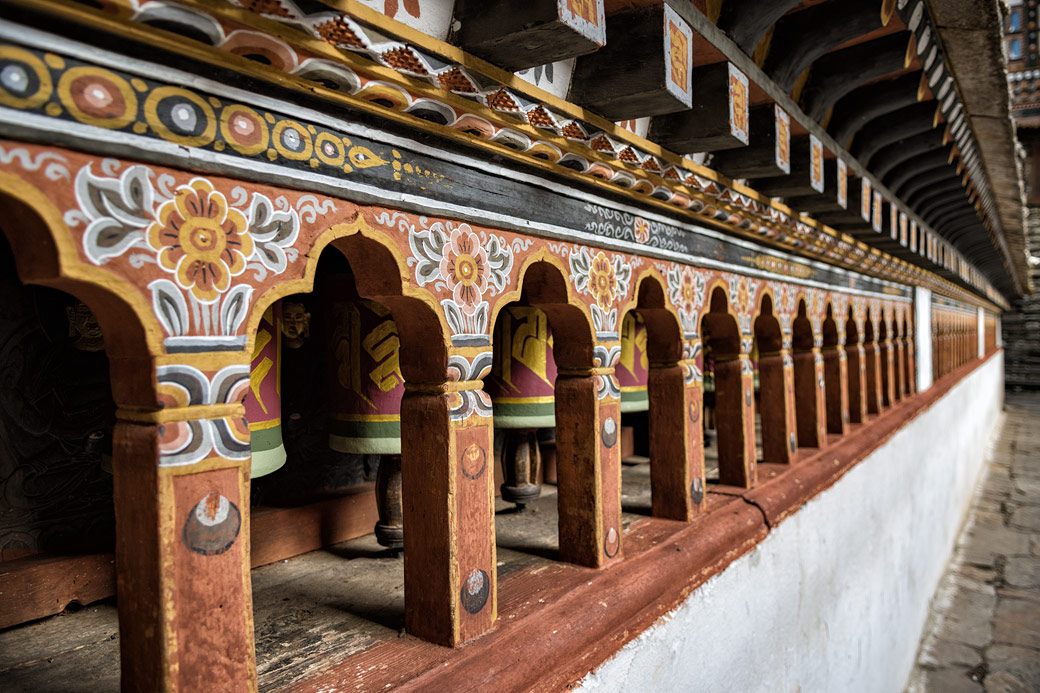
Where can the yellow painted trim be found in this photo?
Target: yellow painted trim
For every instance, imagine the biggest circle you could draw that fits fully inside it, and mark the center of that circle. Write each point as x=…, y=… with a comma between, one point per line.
x=544, y=399
x=365, y=417
x=190, y=413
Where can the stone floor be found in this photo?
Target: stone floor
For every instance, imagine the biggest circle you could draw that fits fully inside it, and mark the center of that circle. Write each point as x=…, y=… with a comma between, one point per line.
x=984, y=630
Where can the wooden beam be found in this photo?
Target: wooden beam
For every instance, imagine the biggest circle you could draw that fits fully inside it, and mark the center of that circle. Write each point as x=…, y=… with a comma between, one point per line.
x=836, y=74
x=802, y=37
x=940, y=173
x=862, y=105
x=519, y=35
x=921, y=197
x=766, y=155
x=719, y=117
x=40, y=586
x=903, y=150
x=643, y=70
x=939, y=203
x=747, y=21
x=853, y=216
x=899, y=124
x=801, y=181
x=925, y=162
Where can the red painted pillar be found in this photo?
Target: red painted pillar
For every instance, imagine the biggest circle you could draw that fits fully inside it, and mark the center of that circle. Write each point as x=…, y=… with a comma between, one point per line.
x=181, y=486
x=588, y=459
x=810, y=407
x=676, y=440
x=899, y=362
x=857, y=378
x=836, y=381
x=873, y=377
x=447, y=489
x=735, y=419
x=777, y=403
x=887, y=372
x=910, y=365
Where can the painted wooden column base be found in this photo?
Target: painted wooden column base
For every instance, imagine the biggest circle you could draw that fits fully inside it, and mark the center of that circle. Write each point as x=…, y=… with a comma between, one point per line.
x=447, y=477
x=182, y=561
x=776, y=406
x=676, y=442
x=588, y=454
x=836, y=381
x=735, y=420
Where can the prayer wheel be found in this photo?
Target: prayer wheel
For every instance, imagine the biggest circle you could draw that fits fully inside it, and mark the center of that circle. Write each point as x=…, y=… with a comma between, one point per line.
x=365, y=401
x=264, y=400
x=521, y=387
x=632, y=369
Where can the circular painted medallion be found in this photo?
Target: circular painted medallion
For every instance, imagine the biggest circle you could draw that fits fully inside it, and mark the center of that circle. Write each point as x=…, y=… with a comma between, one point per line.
x=329, y=149
x=693, y=410
x=180, y=116
x=697, y=491
x=25, y=81
x=244, y=129
x=98, y=97
x=291, y=140
x=611, y=543
x=609, y=432
x=212, y=525
x=474, y=461
x=475, y=591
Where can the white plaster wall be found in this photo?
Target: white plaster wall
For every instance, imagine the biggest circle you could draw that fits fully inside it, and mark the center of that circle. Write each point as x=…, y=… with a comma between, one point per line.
x=836, y=597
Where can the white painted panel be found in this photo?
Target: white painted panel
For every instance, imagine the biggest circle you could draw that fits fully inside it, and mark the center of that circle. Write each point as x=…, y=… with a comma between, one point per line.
x=923, y=337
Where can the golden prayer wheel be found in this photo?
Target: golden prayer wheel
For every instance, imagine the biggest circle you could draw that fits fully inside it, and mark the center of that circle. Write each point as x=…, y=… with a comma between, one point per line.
x=264, y=400
x=521, y=387
x=365, y=401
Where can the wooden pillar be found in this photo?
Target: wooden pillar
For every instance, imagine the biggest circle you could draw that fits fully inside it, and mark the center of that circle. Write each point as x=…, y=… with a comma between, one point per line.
x=857, y=379
x=873, y=361
x=447, y=490
x=909, y=365
x=836, y=382
x=776, y=405
x=810, y=407
x=588, y=459
x=887, y=372
x=676, y=440
x=181, y=488
x=936, y=354
x=735, y=419
x=899, y=390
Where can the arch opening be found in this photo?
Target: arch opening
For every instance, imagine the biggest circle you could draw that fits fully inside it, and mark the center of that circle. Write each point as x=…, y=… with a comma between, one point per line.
x=729, y=392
